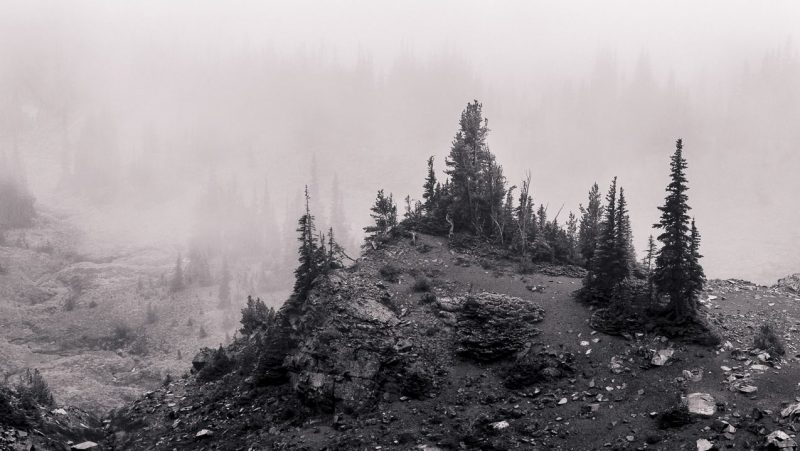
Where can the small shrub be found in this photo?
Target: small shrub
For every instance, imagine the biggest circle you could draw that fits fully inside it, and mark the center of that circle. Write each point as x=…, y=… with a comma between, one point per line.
x=767, y=340
x=33, y=387
x=122, y=334
x=422, y=284
x=140, y=345
x=390, y=273
x=427, y=298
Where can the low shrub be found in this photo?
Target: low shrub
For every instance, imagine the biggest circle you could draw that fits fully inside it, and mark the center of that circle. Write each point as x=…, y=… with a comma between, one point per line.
x=422, y=284
x=390, y=273
x=427, y=298
x=219, y=365
x=767, y=340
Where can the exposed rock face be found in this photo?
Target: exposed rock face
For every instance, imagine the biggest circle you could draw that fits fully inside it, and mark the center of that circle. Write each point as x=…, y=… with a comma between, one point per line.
x=353, y=353
x=494, y=326
x=791, y=283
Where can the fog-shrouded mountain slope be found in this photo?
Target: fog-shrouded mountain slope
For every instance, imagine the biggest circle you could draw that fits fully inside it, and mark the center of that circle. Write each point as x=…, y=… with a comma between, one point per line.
x=428, y=346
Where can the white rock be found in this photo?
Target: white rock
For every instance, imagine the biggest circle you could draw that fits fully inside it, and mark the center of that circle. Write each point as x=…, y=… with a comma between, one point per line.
x=204, y=433
x=780, y=440
x=704, y=445
x=58, y=411
x=662, y=356
x=84, y=445
x=500, y=425
x=701, y=404
x=562, y=401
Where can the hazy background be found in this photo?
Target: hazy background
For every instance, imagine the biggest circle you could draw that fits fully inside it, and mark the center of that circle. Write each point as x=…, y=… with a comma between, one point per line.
x=131, y=113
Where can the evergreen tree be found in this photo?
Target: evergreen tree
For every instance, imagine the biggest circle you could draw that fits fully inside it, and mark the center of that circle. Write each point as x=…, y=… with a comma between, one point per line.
x=309, y=266
x=177, y=282
x=224, y=292
x=606, y=269
x=650, y=255
x=697, y=276
x=672, y=275
x=524, y=215
x=625, y=250
x=572, y=237
x=589, y=226
x=384, y=213
x=468, y=157
x=429, y=188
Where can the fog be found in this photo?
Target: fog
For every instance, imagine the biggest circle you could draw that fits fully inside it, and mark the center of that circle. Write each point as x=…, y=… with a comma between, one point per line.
x=170, y=123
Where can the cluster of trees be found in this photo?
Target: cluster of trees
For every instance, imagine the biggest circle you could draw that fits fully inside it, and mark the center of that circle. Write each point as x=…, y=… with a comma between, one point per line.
x=475, y=199
x=318, y=253
x=673, y=273
x=16, y=202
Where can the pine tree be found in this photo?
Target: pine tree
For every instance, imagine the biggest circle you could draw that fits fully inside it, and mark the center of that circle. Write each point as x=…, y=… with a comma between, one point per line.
x=177, y=282
x=625, y=250
x=697, y=276
x=647, y=261
x=572, y=237
x=672, y=274
x=384, y=213
x=224, y=293
x=605, y=272
x=309, y=266
x=429, y=188
x=589, y=226
x=468, y=157
x=524, y=215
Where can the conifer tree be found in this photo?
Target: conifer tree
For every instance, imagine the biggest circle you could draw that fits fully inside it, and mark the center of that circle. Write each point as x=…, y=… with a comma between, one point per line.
x=468, y=156
x=384, y=213
x=650, y=255
x=309, y=266
x=429, y=188
x=177, y=282
x=524, y=217
x=572, y=236
x=224, y=292
x=625, y=250
x=673, y=273
x=697, y=276
x=605, y=271
x=589, y=226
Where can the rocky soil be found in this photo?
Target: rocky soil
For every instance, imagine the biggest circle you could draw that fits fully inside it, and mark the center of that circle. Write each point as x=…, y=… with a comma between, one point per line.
x=457, y=350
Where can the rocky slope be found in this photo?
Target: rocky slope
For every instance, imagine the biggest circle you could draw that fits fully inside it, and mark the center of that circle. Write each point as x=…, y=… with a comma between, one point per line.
x=425, y=347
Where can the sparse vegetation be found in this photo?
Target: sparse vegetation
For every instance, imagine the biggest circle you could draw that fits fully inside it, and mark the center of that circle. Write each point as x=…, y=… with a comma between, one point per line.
x=421, y=284
x=32, y=386
x=390, y=273
x=767, y=340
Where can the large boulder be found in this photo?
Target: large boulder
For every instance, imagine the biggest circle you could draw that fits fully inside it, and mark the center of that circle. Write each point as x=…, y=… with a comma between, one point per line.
x=495, y=326
x=701, y=404
x=791, y=283
x=779, y=441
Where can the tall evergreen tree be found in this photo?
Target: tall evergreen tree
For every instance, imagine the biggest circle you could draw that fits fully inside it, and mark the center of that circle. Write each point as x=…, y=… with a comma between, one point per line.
x=606, y=270
x=672, y=274
x=224, y=292
x=625, y=250
x=309, y=266
x=647, y=261
x=177, y=282
x=697, y=276
x=589, y=226
x=429, y=188
x=468, y=158
x=384, y=213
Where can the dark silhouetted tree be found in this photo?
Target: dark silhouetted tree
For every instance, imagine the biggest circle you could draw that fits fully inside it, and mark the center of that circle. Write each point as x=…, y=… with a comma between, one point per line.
x=384, y=215
x=177, y=282
x=672, y=275
x=309, y=259
x=589, y=226
x=429, y=190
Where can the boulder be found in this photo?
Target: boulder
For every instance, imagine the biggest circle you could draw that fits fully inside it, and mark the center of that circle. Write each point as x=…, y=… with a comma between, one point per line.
x=704, y=445
x=791, y=283
x=779, y=440
x=701, y=404
x=792, y=410
x=495, y=326
x=662, y=356
x=84, y=445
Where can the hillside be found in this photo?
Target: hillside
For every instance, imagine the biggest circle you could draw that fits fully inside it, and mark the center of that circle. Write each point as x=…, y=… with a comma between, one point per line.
x=77, y=309
x=378, y=363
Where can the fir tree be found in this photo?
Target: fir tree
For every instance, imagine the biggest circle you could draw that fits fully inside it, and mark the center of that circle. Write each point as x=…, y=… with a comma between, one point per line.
x=384, y=213
x=309, y=266
x=429, y=188
x=647, y=261
x=177, y=282
x=625, y=250
x=672, y=274
x=606, y=271
x=224, y=293
x=589, y=226
x=697, y=276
